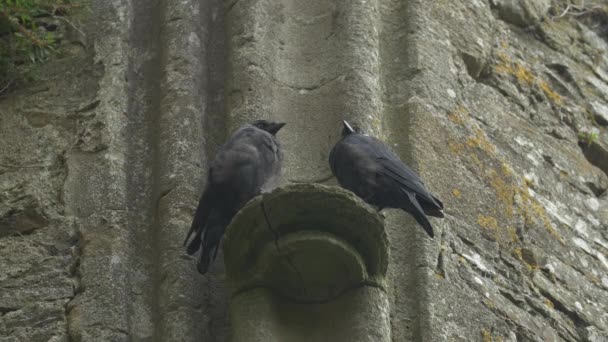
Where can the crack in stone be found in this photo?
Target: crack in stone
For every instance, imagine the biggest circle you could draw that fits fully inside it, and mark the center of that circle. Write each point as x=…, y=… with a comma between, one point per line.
x=309, y=88
x=320, y=179
x=561, y=307
x=78, y=289
x=365, y=283
x=440, y=266
x=88, y=107
x=231, y=6
x=5, y=310
x=276, y=243
x=163, y=195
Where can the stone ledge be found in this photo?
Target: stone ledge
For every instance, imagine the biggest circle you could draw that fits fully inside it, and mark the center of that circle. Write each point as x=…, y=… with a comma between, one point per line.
x=307, y=242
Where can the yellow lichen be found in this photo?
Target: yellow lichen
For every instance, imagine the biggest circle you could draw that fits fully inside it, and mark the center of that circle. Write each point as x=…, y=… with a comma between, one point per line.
x=513, y=234
x=480, y=141
x=455, y=147
x=549, y=303
x=476, y=160
x=506, y=170
x=594, y=279
x=504, y=191
x=524, y=76
x=487, y=222
x=503, y=69
x=552, y=95
x=517, y=254
x=533, y=209
x=486, y=336
x=504, y=56
x=505, y=183
x=490, y=224
x=459, y=115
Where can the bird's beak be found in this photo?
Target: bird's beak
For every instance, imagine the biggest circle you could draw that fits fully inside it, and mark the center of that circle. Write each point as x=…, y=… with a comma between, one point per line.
x=276, y=127
x=348, y=127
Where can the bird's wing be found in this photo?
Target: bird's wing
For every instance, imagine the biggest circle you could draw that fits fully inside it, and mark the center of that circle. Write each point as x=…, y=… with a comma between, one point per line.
x=395, y=169
x=199, y=222
x=418, y=213
x=227, y=166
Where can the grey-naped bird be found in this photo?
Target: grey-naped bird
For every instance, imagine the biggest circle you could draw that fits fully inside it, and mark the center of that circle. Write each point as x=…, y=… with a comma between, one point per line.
x=246, y=165
x=367, y=167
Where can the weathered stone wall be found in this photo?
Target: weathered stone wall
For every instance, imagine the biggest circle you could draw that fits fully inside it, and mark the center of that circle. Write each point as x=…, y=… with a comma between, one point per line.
x=500, y=95
x=103, y=157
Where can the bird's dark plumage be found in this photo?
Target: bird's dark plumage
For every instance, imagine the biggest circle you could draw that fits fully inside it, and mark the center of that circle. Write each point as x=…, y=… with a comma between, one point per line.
x=246, y=165
x=367, y=167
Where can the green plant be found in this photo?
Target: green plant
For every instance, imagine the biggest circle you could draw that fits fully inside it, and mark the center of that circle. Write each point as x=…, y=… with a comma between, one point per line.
x=25, y=38
x=587, y=138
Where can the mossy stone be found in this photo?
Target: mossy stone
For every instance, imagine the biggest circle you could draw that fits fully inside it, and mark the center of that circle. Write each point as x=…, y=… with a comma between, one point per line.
x=307, y=242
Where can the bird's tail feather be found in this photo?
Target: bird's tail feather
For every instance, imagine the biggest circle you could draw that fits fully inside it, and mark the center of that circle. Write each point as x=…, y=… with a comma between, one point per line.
x=418, y=213
x=438, y=201
x=198, y=223
x=434, y=212
x=424, y=222
x=195, y=244
x=213, y=232
x=203, y=262
x=432, y=209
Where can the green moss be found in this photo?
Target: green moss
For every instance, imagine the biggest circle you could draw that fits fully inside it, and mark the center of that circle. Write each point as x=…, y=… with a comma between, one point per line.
x=26, y=37
x=587, y=138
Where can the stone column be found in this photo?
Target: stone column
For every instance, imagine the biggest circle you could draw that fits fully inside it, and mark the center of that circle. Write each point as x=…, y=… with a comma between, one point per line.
x=307, y=263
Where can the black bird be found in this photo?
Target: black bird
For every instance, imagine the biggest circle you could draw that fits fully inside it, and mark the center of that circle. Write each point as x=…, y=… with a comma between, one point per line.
x=367, y=167
x=247, y=164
